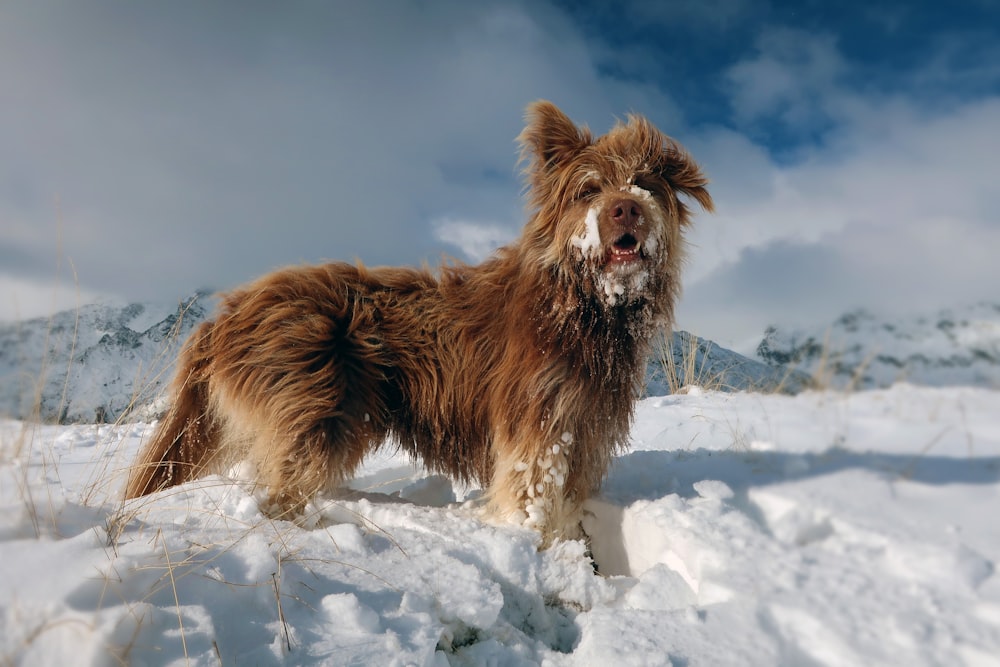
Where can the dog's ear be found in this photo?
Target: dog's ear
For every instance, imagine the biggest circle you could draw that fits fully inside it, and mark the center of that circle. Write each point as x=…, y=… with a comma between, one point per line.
x=549, y=138
x=673, y=164
x=684, y=175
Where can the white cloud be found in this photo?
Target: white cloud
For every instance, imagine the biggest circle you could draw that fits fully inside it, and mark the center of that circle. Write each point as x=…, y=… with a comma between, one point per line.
x=892, y=204
x=24, y=298
x=900, y=213
x=788, y=79
x=476, y=241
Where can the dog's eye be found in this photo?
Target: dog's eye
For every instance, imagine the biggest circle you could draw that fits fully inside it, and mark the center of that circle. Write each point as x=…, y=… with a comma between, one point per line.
x=588, y=191
x=652, y=185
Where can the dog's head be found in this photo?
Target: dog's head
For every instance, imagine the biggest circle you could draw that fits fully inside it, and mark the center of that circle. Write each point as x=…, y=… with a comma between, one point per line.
x=608, y=211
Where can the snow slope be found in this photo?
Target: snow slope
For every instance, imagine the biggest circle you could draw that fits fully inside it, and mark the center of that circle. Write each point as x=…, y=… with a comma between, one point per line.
x=744, y=529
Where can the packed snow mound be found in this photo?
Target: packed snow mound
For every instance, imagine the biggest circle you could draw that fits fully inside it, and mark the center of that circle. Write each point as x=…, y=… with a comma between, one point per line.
x=819, y=529
x=953, y=347
x=96, y=363
x=105, y=362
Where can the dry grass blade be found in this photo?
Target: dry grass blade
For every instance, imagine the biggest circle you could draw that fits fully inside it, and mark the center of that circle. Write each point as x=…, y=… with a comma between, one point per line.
x=281, y=611
x=693, y=368
x=177, y=602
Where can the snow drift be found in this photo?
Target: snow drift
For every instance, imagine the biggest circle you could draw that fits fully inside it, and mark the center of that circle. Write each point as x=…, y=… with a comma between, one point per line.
x=820, y=529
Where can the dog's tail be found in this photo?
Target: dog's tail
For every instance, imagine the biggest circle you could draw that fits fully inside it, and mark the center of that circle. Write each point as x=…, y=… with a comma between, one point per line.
x=186, y=440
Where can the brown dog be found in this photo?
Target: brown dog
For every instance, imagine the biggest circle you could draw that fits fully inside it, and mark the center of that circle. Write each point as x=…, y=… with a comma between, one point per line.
x=520, y=373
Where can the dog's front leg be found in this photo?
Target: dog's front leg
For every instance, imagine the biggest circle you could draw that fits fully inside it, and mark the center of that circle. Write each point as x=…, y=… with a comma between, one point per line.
x=532, y=485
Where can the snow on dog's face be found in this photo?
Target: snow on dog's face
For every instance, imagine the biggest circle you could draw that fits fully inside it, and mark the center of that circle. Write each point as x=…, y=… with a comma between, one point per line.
x=607, y=210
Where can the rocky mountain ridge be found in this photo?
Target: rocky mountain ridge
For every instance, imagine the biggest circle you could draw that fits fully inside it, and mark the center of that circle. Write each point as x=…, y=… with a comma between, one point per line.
x=104, y=362
x=95, y=363
x=954, y=346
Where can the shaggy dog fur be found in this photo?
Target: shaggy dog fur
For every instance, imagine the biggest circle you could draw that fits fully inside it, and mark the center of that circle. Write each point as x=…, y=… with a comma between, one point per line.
x=519, y=374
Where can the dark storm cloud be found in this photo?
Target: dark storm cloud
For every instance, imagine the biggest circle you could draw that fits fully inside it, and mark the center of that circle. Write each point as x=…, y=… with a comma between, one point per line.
x=192, y=145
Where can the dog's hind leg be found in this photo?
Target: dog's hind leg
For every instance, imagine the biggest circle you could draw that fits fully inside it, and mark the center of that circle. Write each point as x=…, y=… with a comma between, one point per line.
x=295, y=467
x=186, y=441
x=316, y=408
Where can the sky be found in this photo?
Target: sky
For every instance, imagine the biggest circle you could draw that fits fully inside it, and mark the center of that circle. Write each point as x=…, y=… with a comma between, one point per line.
x=148, y=150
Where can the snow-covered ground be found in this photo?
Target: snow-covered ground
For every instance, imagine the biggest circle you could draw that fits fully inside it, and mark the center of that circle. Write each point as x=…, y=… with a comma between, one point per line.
x=741, y=529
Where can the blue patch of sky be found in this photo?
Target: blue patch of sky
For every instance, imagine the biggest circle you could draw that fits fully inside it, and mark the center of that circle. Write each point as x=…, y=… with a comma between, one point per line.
x=934, y=52
x=466, y=172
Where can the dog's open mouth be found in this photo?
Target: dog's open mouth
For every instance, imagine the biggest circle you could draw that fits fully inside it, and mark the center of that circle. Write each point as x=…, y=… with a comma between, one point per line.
x=625, y=248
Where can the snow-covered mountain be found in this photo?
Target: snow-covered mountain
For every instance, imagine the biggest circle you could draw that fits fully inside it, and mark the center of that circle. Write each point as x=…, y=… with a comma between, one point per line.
x=102, y=362
x=95, y=363
x=957, y=346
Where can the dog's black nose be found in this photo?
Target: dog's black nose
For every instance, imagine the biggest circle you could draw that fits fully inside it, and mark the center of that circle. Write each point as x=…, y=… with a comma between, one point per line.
x=625, y=212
